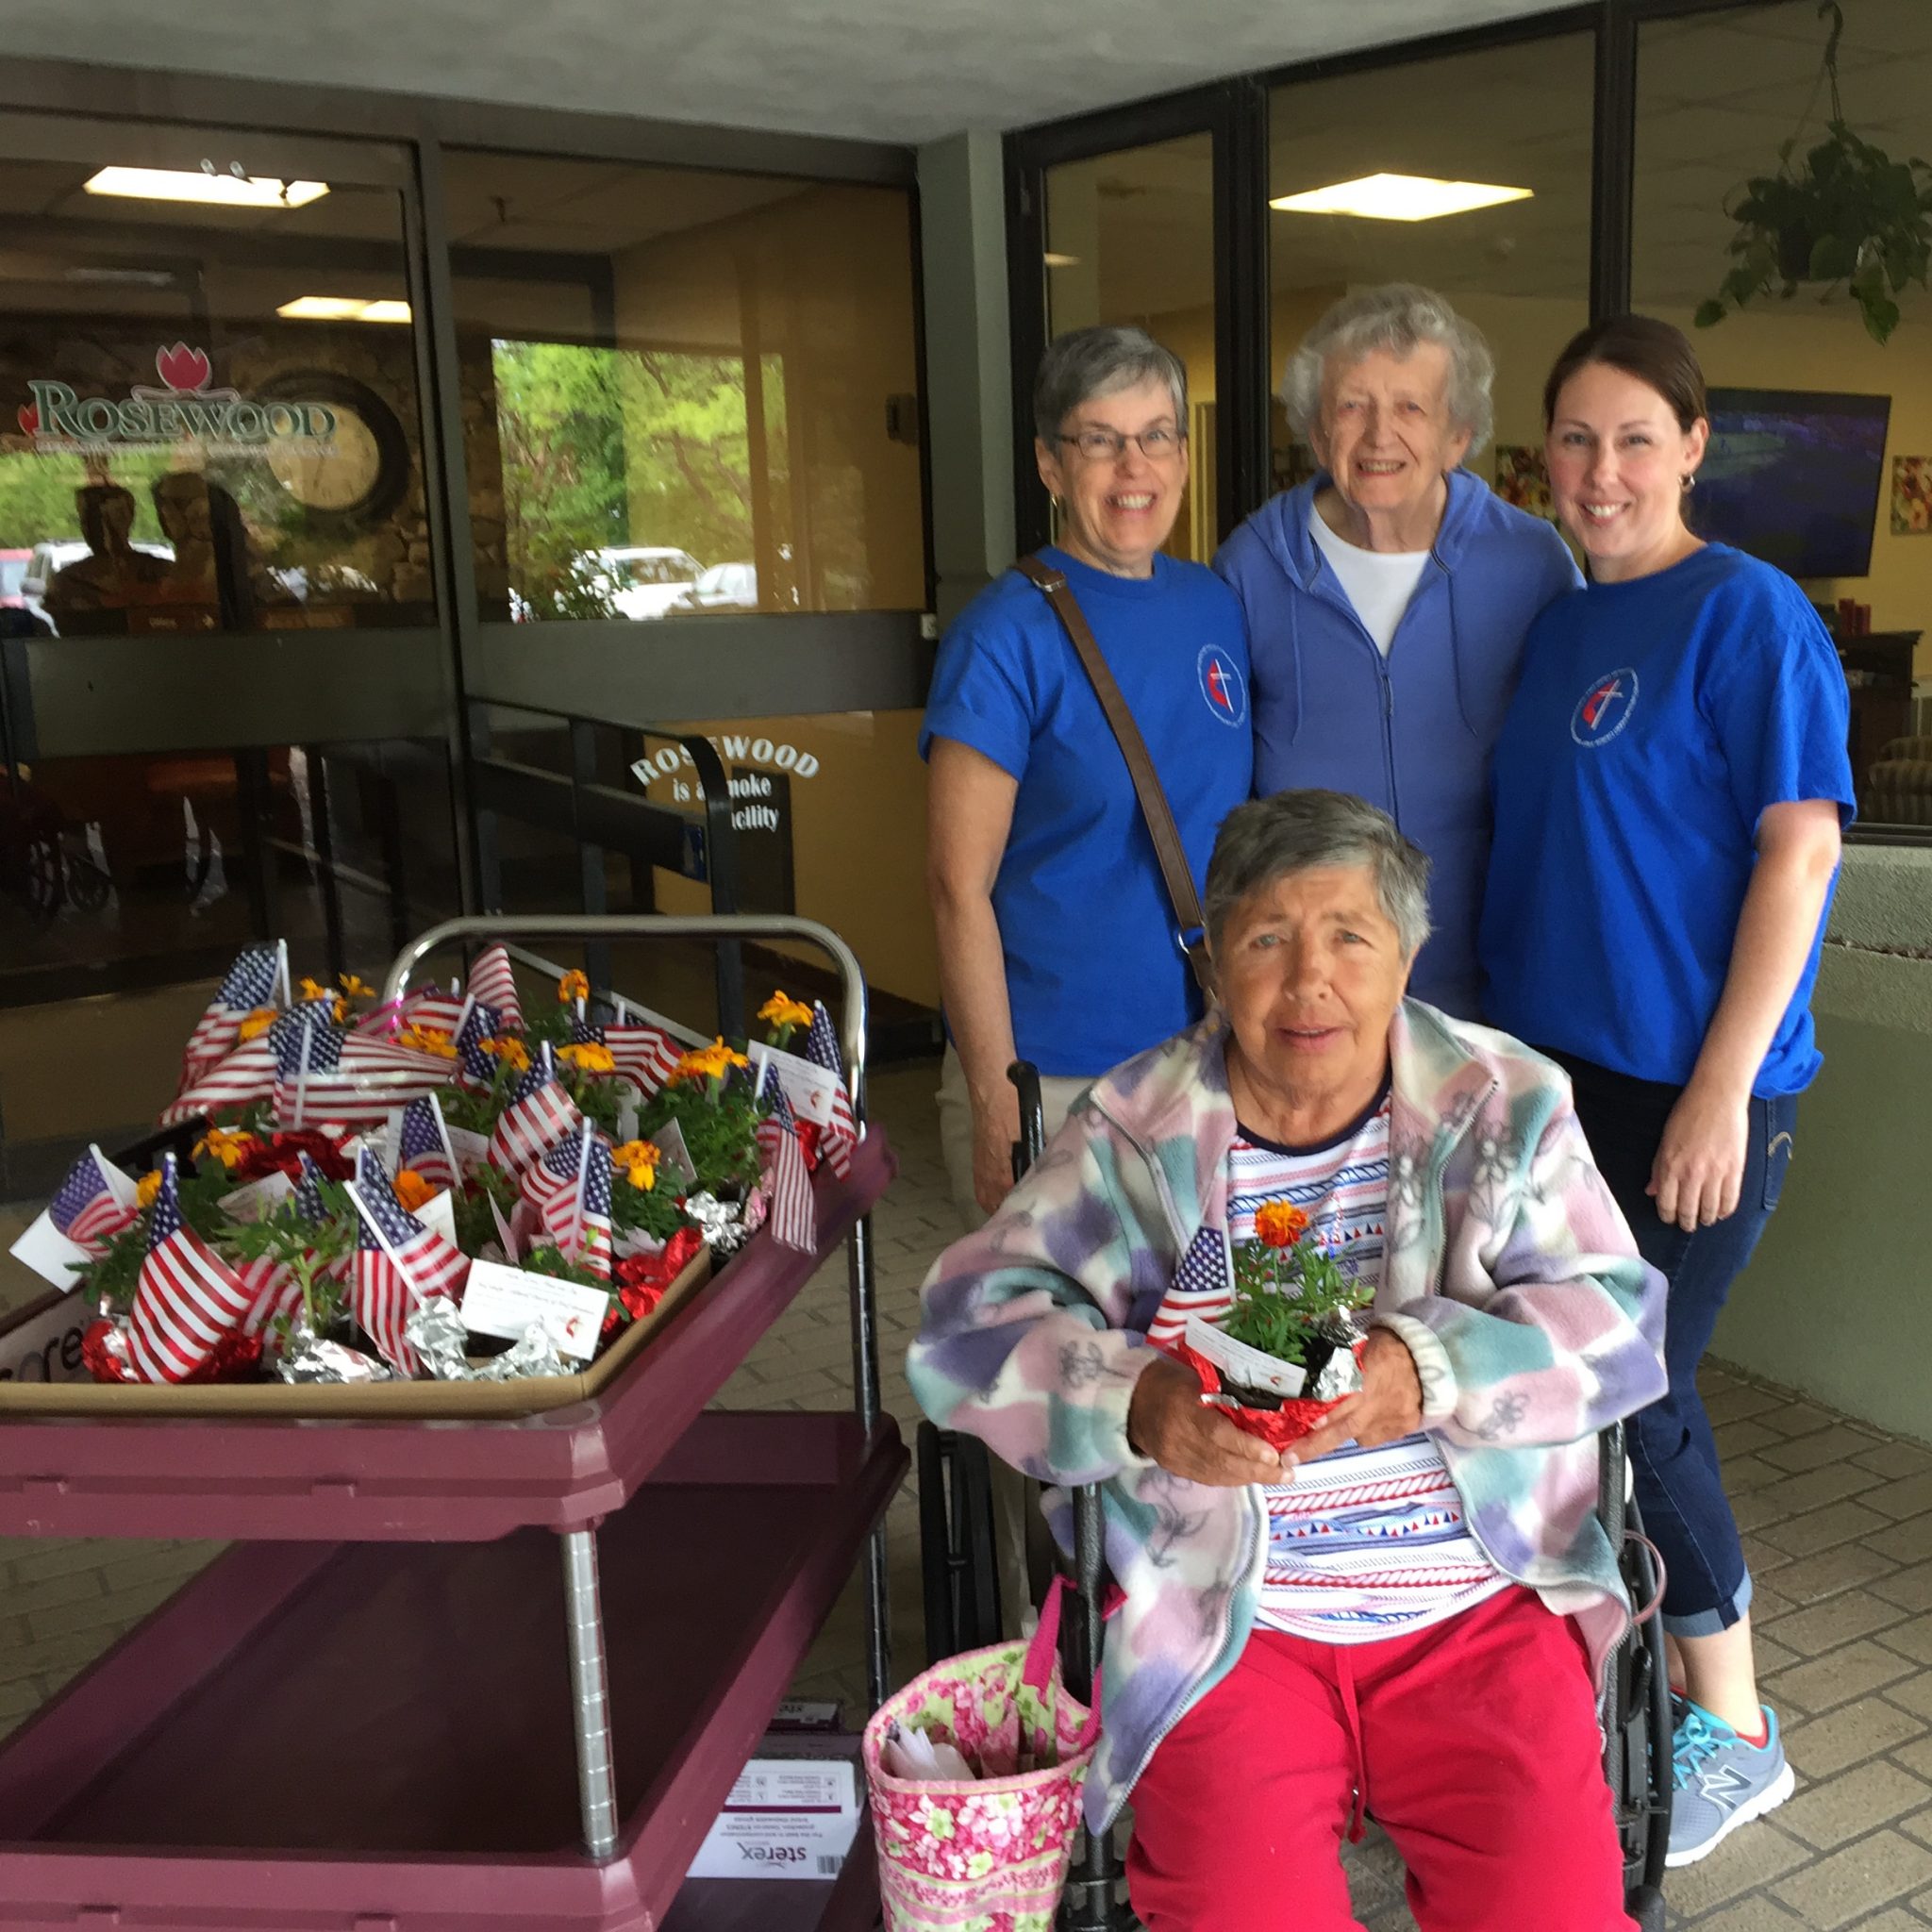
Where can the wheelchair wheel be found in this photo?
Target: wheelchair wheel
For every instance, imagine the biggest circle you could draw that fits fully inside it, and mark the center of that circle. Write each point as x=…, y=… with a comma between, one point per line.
x=959, y=1577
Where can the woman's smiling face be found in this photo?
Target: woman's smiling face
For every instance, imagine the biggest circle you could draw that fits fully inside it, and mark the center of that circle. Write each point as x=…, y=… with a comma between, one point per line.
x=1618, y=460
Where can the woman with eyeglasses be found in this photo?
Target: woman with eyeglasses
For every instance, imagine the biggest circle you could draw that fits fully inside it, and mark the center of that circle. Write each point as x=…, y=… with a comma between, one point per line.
x=1056, y=939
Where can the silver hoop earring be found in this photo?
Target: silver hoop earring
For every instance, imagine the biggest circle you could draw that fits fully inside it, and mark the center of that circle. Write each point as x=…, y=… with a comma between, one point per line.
x=1690, y=484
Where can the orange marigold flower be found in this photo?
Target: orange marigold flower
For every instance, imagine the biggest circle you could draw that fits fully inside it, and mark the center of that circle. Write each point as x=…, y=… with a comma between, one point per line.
x=636, y=1161
x=434, y=1039
x=225, y=1144
x=709, y=1062
x=147, y=1186
x=781, y=1009
x=411, y=1190
x=312, y=990
x=574, y=986
x=588, y=1056
x=511, y=1051
x=356, y=987
x=1279, y=1224
x=256, y=1023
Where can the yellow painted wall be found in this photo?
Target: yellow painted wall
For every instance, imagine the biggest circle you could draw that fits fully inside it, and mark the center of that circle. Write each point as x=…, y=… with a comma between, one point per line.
x=858, y=838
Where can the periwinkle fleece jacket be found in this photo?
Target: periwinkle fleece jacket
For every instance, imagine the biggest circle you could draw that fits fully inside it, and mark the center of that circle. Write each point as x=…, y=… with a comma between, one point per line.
x=1412, y=732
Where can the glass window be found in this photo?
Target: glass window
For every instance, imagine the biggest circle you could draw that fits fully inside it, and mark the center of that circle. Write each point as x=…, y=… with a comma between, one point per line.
x=211, y=419
x=1372, y=178
x=1820, y=459
x=685, y=392
x=1130, y=239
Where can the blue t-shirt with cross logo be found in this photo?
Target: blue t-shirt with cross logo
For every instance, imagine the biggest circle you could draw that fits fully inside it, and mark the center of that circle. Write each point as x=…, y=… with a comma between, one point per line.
x=1093, y=970
x=1656, y=721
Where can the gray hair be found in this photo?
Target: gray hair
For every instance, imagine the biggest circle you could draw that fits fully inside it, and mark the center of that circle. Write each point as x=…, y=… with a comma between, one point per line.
x=1269, y=838
x=1396, y=318
x=1087, y=363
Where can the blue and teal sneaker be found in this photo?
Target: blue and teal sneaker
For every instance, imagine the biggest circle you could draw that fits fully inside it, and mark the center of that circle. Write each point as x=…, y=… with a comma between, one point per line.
x=1720, y=1782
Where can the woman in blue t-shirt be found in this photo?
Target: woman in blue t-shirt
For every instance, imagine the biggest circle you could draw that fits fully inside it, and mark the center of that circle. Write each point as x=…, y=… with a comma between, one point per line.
x=1669, y=788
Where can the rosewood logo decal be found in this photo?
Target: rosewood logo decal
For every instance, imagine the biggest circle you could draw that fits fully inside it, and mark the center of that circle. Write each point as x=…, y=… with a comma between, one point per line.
x=222, y=422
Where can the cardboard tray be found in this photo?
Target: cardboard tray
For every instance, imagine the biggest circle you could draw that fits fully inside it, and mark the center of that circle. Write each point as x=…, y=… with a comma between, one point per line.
x=369, y=1402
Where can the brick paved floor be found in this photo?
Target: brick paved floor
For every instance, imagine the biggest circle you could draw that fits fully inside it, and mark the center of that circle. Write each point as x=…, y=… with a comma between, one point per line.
x=1837, y=1518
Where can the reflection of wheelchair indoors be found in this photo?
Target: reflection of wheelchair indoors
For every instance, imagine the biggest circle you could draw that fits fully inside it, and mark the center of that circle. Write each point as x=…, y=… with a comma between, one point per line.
x=960, y=1578
x=43, y=864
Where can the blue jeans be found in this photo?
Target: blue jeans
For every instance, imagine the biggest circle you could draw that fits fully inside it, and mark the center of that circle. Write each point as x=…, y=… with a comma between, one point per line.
x=1679, y=1485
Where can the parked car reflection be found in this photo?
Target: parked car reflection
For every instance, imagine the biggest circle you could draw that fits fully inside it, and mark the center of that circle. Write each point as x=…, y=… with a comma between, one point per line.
x=723, y=587
x=645, y=580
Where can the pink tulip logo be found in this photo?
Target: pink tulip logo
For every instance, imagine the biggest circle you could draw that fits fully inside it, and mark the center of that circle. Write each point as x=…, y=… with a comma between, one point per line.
x=182, y=368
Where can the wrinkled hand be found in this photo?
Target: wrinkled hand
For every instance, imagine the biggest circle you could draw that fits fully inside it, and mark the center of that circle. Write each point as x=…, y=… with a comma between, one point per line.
x=1168, y=1420
x=996, y=1127
x=1700, y=1161
x=1386, y=1407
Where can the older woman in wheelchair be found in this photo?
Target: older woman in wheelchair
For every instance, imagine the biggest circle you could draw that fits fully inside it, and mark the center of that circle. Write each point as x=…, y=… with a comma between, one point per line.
x=1408, y=1614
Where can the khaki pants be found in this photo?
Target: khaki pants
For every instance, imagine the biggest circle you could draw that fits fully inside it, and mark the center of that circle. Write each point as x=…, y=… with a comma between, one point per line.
x=1017, y=1523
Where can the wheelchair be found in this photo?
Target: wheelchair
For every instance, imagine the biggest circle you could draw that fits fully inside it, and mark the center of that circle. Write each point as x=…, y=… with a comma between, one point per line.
x=961, y=1583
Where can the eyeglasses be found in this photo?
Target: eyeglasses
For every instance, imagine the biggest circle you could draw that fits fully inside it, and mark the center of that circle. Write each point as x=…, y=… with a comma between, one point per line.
x=1109, y=446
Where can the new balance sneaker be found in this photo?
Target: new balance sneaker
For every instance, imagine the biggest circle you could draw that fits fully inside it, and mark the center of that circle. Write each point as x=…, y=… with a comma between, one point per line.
x=1720, y=1782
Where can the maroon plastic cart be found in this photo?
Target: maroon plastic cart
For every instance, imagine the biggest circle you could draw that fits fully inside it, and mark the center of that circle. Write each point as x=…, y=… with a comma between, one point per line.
x=379, y=1713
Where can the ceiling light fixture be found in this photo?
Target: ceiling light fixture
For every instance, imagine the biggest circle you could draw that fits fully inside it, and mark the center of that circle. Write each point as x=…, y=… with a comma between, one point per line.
x=1053, y=260
x=1399, y=198
x=224, y=191
x=343, y=308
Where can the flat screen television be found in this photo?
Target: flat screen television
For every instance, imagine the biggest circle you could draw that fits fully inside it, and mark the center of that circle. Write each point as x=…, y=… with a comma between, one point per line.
x=1792, y=477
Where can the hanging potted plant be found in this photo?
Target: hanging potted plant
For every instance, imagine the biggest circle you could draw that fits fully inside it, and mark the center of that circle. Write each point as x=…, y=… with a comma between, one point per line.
x=1847, y=216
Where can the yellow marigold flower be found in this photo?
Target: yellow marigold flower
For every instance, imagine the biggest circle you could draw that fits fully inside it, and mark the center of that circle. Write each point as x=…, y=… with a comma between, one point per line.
x=511, y=1051
x=256, y=1023
x=588, y=1056
x=1279, y=1224
x=709, y=1062
x=312, y=988
x=340, y=1008
x=226, y=1144
x=636, y=1161
x=411, y=1190
x=147, y=1186
x=357, y=989
x=781, y=1009
x=434, y=1039
x=574, y=986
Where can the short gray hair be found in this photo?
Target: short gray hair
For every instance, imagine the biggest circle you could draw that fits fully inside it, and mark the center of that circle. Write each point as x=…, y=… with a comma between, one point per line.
x=1087, y=363
x=1396, y=318
x=1269, y=838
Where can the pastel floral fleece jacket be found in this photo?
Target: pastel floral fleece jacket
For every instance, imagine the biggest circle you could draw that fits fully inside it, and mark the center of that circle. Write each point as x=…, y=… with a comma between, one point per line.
x=1511, y=1275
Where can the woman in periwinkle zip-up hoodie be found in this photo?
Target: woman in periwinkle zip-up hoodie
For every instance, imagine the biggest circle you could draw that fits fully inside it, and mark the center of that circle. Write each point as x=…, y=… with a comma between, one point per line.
x=1388, y=599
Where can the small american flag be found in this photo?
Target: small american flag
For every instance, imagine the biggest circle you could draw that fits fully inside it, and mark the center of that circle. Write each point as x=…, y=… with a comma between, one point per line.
x=95, y=1203
x=840, y=1134
x=307, y=1045
x=422, y=1143
x=583, y=1032
x=793, y=1216
x=1203, y=1285
x=477, y=1024
x=569, y=1189
x=275, y=1288
x=324, y=1074
x=493, y=984
x=260, y=977
x=307, y=1195
x=240, y=1079
x=187, y=1299
x=399, y=1263
x=643, y=1055
x=539, y=1115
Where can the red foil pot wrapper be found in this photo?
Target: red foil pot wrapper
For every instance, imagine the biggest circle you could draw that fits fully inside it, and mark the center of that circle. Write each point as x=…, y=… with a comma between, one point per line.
x=1280, y=1428
x=282, y=1154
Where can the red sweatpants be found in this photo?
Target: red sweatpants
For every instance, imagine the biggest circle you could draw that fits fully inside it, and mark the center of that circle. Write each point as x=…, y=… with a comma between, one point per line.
x=1472, y=1744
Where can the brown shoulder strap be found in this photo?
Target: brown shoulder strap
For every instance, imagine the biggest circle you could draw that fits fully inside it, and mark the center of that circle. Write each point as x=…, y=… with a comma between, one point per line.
x=1053, y=586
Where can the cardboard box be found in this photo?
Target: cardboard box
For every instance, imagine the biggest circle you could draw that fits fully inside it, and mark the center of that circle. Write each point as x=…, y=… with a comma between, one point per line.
x=793, y=1813
x=41, y=1321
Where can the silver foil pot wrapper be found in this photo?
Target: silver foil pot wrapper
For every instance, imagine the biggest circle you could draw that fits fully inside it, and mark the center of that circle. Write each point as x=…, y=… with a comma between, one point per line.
x=436, y=1332
x=1342, y=1373
x=720, y=1223
x=306, y=1359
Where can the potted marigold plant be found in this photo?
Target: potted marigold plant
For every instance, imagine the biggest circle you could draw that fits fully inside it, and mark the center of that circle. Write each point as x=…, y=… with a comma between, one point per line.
x=1293, y=1315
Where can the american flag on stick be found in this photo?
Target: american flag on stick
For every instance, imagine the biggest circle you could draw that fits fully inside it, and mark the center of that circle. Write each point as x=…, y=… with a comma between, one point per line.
x=187, y=1299
x=476, y=1024
x=840, y=1133
x=422, y=1143
x=95, y=1203
x=643, y=1056
x=399, y=1264
x=258, y=977
x=539, y=1114
x=493, y=984
x=323, y=1075
x=569, y=1190
x=793, y=1216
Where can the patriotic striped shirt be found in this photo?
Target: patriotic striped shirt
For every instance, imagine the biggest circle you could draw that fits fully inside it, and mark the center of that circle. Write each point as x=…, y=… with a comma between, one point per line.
x=1364, y=1543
